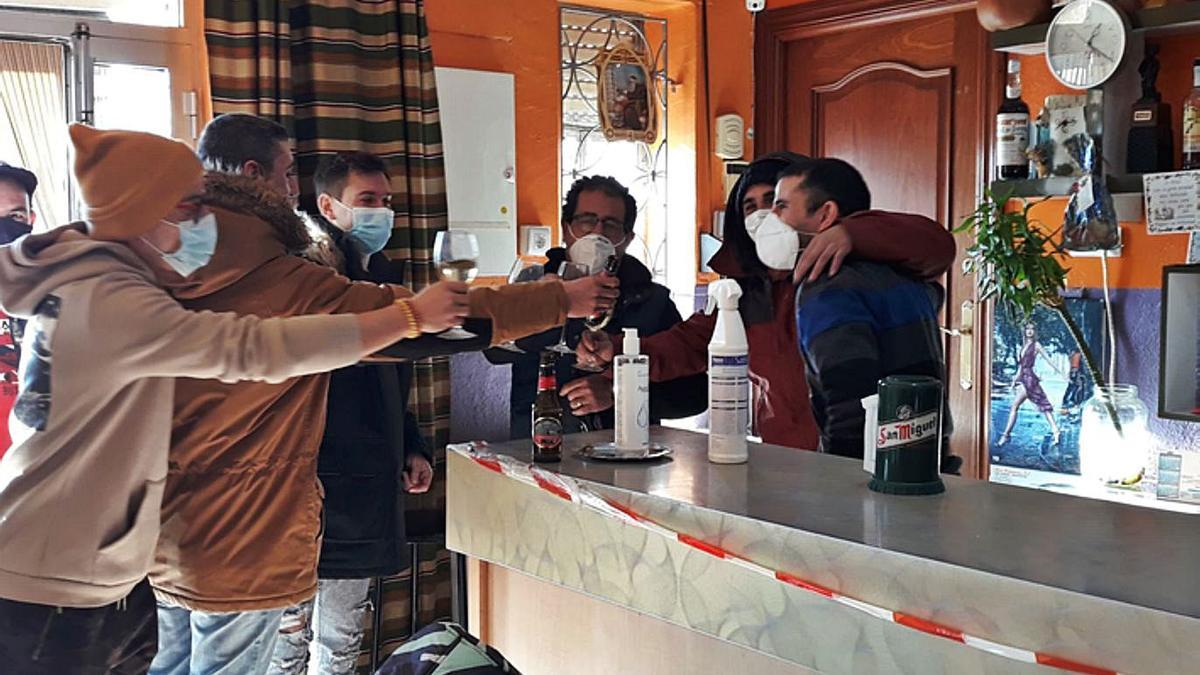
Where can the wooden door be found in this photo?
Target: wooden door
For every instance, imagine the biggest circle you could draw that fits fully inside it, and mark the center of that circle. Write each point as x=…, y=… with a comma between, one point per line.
x=903, y=91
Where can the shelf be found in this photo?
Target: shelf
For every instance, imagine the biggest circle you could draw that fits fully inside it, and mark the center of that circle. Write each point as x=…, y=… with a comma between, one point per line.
x=1158, y=21
x=1126, y=191
x=1060, y=186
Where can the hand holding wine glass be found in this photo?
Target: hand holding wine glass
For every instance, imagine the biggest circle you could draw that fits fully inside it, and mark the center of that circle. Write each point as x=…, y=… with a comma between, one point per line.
x=591, y=294
x=441, y=306
x=456, y=255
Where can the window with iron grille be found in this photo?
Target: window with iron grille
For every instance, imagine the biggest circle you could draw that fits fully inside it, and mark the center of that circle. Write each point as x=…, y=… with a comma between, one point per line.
x=586, y=35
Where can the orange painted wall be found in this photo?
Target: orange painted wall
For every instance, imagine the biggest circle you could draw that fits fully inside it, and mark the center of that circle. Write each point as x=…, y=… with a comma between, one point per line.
x=1144, y=255
x=731, y=49
x=521, y=37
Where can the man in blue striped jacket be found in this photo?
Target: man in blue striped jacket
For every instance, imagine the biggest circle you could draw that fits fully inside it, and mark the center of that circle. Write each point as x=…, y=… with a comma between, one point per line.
x=864, y=323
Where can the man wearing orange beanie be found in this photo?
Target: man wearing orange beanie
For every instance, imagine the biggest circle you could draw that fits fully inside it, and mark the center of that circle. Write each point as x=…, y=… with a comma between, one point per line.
x=81, y=488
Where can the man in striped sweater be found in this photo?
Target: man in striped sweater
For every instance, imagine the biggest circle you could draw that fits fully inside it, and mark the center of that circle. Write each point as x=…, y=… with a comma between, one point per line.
x=861, y=325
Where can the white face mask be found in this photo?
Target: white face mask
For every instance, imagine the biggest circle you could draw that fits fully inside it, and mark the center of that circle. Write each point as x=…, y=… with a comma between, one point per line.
x=594, y=250
x=775, y=242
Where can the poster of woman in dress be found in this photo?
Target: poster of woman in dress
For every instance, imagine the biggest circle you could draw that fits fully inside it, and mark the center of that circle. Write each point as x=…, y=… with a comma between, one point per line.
x=1039, y=386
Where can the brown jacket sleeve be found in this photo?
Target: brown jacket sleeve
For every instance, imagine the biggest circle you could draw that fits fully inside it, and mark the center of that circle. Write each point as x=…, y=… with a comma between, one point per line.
x=918, y=245
x=318, y=289
x=518, y=310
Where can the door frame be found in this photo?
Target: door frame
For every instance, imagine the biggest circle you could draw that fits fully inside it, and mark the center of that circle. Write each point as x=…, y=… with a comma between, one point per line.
x=976, y=99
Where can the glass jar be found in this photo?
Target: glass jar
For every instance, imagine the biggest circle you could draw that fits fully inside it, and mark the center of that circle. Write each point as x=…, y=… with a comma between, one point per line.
x=1106, y=455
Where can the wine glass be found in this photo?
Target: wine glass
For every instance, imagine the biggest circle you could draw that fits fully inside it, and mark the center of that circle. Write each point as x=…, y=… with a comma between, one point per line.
x=456, y=255
x=597, y=322
x=569, y=271
x=522, y=271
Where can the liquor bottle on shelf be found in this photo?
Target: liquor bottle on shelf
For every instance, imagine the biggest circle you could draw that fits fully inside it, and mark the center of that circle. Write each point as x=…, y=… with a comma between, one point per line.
x=1012, y=129
x=547, y=412
x=1191, y=122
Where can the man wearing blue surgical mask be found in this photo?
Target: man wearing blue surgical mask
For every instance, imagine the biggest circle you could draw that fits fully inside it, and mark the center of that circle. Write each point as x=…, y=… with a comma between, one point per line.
x=354, y=194
x=371, y=443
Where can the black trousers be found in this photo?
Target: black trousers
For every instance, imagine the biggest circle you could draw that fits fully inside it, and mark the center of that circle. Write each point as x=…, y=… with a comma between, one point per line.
x=117, y=639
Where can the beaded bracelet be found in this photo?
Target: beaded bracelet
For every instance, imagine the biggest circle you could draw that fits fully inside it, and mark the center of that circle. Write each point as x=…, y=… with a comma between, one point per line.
x=410, y=315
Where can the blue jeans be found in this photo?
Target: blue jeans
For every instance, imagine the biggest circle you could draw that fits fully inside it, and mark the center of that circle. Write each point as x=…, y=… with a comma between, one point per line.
x=335, y=618
x=214, y=643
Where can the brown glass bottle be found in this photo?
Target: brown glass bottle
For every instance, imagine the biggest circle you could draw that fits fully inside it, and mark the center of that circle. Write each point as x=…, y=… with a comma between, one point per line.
x=547, y=412
x=1012, y=129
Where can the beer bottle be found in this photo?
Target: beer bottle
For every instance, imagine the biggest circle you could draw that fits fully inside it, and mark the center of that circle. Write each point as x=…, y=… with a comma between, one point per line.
x=547, y=412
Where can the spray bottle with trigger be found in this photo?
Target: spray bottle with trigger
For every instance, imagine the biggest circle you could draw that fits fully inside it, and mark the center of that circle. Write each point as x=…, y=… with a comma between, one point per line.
x=728, y=377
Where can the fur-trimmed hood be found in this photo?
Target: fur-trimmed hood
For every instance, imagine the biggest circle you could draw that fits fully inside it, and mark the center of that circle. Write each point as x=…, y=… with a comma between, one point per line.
x=251, y=197
x=323, y=250
x=254, y=227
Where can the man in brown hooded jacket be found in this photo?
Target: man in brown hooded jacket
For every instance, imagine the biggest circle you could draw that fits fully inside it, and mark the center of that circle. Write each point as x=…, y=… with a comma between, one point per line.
x=242, y=509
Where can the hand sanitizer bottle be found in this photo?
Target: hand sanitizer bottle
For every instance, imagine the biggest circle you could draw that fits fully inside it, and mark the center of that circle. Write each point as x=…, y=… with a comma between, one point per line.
x=632, y=396
x=728, y=377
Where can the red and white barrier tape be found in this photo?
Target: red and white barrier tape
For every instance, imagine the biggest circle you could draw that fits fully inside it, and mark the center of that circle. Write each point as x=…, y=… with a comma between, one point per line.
x=570, y=490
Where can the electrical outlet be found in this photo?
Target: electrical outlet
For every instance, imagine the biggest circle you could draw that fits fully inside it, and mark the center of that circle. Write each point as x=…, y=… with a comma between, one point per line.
x=756, y=5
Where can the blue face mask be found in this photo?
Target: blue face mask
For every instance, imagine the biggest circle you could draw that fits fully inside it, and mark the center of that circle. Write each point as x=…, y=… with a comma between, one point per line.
x=370, y=227
x=197, y=243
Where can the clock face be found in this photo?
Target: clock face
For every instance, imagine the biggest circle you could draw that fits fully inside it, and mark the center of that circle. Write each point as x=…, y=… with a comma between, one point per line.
x=1086, y=43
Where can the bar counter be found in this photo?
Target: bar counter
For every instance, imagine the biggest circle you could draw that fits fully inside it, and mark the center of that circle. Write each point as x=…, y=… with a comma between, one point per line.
x=982, y=579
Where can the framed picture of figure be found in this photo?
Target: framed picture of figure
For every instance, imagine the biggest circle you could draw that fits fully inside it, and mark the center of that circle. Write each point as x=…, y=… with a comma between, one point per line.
x=626, y=96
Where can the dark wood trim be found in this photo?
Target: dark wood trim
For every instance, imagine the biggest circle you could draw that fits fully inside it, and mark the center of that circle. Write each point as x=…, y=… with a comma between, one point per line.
x=775, y=28
x=819, y=18
x=992, y=84
x=884, y=65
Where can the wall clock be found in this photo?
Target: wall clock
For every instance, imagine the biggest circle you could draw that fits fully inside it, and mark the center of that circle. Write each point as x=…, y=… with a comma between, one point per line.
x=1086, y=43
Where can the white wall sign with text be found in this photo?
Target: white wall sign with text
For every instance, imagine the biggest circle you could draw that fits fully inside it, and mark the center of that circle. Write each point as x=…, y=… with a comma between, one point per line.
x=1172, y=202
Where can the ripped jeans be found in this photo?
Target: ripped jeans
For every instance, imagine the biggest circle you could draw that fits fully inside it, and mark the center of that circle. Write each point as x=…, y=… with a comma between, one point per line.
x=335, y=618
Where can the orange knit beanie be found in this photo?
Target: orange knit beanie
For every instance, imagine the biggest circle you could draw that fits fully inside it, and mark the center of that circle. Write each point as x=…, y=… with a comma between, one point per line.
x=130, y=180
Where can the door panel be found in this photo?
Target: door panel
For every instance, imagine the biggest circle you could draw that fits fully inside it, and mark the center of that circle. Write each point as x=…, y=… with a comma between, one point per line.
x=846, y=124
x=904, y=92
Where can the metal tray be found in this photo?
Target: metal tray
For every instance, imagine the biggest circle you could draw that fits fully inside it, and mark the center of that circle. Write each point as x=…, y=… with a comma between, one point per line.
x=607, y=452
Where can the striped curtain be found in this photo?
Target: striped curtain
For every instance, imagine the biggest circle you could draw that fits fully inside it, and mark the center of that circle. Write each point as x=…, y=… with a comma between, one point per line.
x=344, y=75
x=348, y=76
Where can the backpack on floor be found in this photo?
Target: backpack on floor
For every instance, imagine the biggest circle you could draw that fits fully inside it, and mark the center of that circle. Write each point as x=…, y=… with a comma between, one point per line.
x=445, y=649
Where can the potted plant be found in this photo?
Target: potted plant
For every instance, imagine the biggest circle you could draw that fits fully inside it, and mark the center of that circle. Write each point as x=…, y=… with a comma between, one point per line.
x=1017, y=264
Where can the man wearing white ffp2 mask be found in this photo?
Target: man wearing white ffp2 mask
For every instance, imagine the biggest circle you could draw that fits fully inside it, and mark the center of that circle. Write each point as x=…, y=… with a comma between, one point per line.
x=775, y=242
x=592, y=250
x=598, y=218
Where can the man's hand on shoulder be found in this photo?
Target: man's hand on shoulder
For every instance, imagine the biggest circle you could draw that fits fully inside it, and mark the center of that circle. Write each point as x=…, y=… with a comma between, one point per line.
x=825, y=253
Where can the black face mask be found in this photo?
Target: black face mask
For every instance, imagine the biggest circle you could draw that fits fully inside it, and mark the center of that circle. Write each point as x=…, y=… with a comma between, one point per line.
x=11, y=229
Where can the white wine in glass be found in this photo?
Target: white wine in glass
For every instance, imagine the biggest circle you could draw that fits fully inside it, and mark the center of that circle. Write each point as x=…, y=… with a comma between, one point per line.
x=456, y=255
x=458, y=270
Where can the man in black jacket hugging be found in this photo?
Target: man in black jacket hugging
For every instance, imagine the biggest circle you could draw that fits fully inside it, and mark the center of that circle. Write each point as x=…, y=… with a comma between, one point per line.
x=597, y=221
